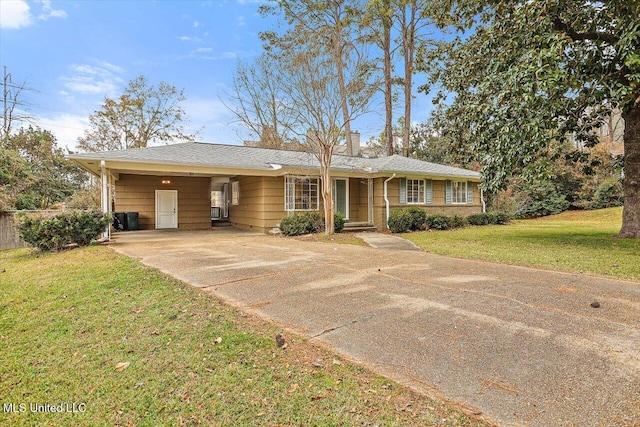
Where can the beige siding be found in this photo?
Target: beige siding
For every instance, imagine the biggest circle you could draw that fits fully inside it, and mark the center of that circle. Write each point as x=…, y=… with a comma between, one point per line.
x=261, y=203
x=358, y=200
x=137, y=193
x=437, y=207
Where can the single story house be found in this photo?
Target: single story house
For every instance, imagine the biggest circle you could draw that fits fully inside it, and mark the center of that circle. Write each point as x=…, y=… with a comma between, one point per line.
x=188, y=185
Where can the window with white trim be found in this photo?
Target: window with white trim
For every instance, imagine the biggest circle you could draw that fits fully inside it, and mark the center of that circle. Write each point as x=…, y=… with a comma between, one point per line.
x=415, y=190
x=235, y=192
x=458, y=192
x=301, y=193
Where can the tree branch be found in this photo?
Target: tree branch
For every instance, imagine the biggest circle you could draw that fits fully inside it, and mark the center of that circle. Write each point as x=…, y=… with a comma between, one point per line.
x=559, y=25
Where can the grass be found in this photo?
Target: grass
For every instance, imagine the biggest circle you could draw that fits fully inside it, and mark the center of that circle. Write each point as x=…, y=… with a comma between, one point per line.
x=129, y=345
x=575, y=241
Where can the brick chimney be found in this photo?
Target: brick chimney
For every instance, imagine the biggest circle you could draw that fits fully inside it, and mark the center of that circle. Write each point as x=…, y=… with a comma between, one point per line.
x=355, y=144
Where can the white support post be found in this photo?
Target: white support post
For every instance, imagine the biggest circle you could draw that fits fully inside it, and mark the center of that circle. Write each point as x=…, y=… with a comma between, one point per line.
x=105, y=195
x=370, y=200
x=386, y=198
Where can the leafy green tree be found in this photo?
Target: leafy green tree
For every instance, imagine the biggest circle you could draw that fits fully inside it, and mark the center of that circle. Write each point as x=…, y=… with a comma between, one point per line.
x=38, y=175
x=426, y=144
x=144, y=114
x=15, y=177
x=530, y=73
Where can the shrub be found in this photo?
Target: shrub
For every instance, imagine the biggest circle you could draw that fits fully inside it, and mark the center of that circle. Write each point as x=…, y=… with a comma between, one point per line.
x=400, y=221
x=608, y=194
x=549, y=205
x=457, y=221
x=315, y=222
x=295, y=225
x=499, y=218
x=478, y=219
x=338, y=222
x=437, y=222
x=53, y=234
x=309, y=222
x=418, y=218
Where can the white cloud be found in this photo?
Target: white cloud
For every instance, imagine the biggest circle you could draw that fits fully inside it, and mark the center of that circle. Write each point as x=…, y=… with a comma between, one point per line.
x=15, y=14
x=240, y=21
x=66, y=127
x=49, y=12
x=204, y=49
x=100, y=78
x=229, y=55
x=184, y=38
x=196, y=24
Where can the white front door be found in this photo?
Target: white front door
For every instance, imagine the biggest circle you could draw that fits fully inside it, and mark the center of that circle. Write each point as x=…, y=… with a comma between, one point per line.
x=166, y=208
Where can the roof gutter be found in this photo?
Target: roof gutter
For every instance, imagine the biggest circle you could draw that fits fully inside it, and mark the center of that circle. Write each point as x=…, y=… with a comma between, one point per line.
x=386, y=197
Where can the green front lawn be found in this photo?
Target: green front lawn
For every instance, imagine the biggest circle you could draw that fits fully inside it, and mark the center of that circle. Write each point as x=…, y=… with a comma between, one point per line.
x=122, y=344
x=576, y=241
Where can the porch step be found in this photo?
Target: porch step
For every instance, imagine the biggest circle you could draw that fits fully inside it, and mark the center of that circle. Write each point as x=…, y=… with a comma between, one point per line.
x=220, y=224
x=359, y=226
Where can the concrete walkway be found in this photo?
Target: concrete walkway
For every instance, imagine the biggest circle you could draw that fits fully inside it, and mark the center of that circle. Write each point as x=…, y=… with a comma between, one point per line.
x=518, y=346
x=388, y=242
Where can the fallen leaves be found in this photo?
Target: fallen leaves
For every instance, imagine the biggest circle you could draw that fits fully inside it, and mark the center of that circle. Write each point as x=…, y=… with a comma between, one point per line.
x=122, y=366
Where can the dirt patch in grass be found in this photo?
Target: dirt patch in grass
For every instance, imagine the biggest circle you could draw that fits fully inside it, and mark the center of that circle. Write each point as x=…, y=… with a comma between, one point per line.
x=117, y=343
x=341, y=238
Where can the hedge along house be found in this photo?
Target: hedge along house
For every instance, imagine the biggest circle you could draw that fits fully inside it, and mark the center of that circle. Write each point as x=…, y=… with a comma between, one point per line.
x=189, y=185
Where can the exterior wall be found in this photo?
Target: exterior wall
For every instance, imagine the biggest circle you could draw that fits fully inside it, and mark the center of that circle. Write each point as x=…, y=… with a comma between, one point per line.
x=437, y=207
x=137, y=193
x=261, y=203
x=358, y=194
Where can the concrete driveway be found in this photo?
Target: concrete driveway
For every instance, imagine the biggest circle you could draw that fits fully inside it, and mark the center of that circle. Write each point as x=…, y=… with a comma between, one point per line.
x=518, y=346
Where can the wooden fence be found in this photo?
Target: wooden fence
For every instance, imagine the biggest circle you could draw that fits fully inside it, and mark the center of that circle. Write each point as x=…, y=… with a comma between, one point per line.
x=9, y=237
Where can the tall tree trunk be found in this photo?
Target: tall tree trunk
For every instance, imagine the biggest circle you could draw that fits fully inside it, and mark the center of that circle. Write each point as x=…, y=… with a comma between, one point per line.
x=409, y=23
x=386, y=47
x=327, y=197
x=337, y=56
x=631, y=183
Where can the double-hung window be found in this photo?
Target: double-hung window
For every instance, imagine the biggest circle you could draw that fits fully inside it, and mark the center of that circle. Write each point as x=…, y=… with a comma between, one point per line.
x=458, y=192
x=301, y=193
x=415, y=190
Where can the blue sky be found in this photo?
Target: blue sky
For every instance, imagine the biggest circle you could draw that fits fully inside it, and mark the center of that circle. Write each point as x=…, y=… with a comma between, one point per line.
x=74, y=53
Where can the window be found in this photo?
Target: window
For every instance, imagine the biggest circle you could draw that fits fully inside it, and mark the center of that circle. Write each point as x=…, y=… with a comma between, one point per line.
x=415, y=191
x=301, y=193
x=458, y=192
x=235, y=193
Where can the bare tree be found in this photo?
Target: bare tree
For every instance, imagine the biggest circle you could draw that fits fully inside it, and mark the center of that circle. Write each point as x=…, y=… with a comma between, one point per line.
x=333, y=24
x=315, y=99
x=412, y=20
x=378, y=19
x=257, y=102
x=11, y=103
x=142, y=115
